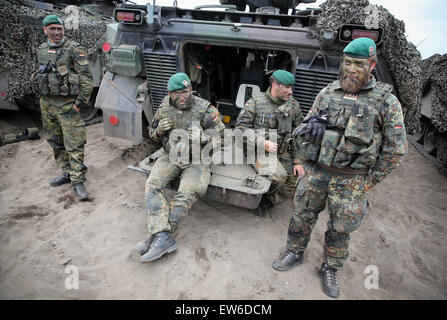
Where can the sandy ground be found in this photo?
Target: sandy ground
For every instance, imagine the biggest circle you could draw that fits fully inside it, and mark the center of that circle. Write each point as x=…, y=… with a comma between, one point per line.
x=224, y=252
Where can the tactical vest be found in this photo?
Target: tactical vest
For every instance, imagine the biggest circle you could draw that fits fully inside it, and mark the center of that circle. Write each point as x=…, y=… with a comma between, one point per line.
x=353, y=137
x=56, y=75
x=269, y=116
x=182, y=118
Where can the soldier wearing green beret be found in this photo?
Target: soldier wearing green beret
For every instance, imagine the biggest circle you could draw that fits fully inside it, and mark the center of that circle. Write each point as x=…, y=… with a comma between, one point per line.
x=176, y=114
x=64, y=83
x=275, y=109
x=351, y=139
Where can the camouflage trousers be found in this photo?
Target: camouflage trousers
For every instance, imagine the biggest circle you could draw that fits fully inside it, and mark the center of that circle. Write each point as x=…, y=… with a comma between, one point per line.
x=281, y=176
x=346, y=198
x=194, y=181
x=65, y=132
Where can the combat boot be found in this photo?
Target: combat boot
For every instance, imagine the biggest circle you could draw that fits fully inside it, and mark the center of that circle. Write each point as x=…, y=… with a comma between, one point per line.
x=62, y=179
x=143, y=246
x=264, y=206
x=162, y=243
x=288, y=260
x=330, y=281
x=80, y=191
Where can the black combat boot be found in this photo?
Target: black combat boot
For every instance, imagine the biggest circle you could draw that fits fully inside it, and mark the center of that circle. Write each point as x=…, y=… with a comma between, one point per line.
x=62, y=179
x=288, y=260
x=264, y=206
x=330, y=282
x=162, y=243
x=80, y=191
x=143, y=246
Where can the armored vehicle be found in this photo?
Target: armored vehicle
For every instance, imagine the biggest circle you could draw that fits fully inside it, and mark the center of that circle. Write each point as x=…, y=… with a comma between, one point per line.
x=432, y=135
x=229, y=55
x=22, y=34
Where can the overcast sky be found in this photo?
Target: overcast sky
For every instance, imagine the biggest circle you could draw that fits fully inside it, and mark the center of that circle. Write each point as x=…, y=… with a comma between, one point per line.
x=425, y=21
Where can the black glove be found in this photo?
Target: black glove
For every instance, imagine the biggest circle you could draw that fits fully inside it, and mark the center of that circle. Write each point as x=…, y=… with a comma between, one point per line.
x=316, y=125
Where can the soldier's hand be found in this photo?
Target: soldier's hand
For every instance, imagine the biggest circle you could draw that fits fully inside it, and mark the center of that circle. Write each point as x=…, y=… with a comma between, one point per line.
x=76, y=108
x=300, y=130
x=164, y=125
x=298, y=169
x=316, y=127
x=270, y=146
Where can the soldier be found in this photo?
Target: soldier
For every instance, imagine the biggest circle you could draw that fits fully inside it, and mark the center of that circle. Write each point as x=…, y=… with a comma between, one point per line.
x=177, y=111
x=353, y=136
x=65, y=84
x=274, y=109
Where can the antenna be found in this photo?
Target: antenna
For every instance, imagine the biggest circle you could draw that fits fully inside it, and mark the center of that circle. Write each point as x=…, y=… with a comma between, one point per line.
x=421, y=42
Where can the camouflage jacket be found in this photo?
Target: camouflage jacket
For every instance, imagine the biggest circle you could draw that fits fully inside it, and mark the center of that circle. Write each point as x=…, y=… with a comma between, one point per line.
x=67, y=77
x=201, y=111
x=262, y=111
x=366, y=132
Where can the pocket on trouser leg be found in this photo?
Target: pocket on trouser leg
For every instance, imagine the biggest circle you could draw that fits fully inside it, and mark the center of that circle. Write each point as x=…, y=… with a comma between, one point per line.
x=304, y=218
x=336, y=249
x=157, y=210
x=74, y=130
x=349, y=216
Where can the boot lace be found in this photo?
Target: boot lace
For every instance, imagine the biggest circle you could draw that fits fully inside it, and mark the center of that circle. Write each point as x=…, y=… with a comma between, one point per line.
x=331, y=276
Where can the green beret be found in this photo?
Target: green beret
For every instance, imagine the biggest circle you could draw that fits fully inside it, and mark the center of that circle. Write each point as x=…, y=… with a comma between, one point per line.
x=360, y=48
x=178, y=81
x=51, y=19
x=284, y=77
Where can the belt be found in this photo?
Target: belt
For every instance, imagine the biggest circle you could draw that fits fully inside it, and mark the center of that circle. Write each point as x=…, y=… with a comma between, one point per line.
x=345, y=170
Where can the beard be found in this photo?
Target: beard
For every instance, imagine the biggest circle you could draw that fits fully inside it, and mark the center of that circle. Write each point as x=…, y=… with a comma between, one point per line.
x=353, y=85
x=186, y=105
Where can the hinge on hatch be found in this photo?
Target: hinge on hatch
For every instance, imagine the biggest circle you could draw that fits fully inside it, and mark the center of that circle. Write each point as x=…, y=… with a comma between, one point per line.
x=249, y=180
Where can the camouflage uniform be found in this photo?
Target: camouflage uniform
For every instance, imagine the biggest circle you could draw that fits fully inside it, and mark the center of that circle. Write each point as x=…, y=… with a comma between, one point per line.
x=263, y=111
x=363, y=143
x=67, y=81
x=194, y=177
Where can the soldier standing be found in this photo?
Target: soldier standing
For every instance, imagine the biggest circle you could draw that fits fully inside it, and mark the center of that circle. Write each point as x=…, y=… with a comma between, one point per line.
x=275, y=109
x=177, y=111
x=64, y=83
x=353, y=136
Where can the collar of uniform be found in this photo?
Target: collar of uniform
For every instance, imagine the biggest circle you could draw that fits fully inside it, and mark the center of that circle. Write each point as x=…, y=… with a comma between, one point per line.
x=371, y=84
x=273, y=99
x=56, y=45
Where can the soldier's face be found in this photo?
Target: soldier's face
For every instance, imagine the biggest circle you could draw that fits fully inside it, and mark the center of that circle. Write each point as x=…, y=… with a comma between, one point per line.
x=180, y=97
x=54, y=32
x=281, y=91
x=355, y=74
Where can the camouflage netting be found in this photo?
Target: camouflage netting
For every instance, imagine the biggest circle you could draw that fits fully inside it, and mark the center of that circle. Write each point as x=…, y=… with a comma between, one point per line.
x=21, y=35
x=434, y=75
x=401, y=56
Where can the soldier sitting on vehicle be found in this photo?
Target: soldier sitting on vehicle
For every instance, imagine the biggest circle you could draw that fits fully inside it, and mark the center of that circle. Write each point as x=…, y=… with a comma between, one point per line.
x=177, y=111
x=275, y=109
x=64, y=83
